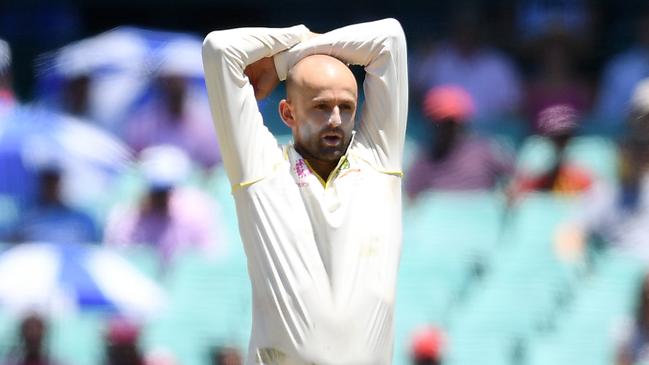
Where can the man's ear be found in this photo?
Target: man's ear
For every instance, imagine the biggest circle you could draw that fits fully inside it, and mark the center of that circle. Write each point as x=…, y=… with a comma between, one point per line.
x=286, y=113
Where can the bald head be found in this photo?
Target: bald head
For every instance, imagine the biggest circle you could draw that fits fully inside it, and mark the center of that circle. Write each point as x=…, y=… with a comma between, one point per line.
x=319, y=72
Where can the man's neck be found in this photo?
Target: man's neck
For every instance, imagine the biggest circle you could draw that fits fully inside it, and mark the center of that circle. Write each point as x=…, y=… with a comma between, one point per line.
x=321, y=167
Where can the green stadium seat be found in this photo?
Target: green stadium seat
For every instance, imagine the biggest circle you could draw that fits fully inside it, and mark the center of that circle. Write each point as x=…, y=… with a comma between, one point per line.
x=210, y=304
x=78, y=339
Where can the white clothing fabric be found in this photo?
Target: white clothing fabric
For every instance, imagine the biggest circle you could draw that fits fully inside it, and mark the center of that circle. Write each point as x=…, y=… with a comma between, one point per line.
x=322, y=255
x=626, y=229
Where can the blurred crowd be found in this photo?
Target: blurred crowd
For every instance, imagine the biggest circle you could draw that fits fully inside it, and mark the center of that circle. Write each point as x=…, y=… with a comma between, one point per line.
x=128, y=108
x=121, y=346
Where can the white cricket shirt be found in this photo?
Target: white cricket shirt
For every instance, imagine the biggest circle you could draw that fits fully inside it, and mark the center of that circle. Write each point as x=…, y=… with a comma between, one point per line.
x=322, y=255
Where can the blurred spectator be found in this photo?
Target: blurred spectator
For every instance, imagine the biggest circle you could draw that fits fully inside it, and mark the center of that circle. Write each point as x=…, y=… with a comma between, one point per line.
x=618, y=215
x=634, y=348
x=7, y=98
x=175, y=116
x=94, y=79
x=555, y=79
x=32, y=348
x=169, y=217
x=121, y=343
x=51, y=219
x=456, y=159
x=465, y=60
x=622, y=74
x=73, y=96
x=225, y=356
x=427, y=347
x=557, y=123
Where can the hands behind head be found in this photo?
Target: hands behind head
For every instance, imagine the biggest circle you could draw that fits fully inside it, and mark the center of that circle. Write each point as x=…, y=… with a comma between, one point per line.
x=263, y=77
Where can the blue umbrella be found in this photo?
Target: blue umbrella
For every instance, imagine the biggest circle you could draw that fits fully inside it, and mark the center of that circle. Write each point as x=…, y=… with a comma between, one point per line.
x=33, y=137
x=58, y=278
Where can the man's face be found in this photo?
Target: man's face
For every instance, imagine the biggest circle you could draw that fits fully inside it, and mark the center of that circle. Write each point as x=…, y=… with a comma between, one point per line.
x=324, y=117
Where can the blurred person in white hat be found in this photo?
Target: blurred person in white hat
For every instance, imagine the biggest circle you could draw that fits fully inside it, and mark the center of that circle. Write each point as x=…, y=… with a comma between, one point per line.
x=177, y=113
x=170, y=217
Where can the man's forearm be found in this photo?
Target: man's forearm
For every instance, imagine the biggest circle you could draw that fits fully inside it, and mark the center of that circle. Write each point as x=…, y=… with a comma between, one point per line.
x=358, y=44
x=247, y=45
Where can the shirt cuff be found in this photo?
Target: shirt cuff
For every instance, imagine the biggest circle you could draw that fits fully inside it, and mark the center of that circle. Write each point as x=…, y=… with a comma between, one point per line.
x=281, y=59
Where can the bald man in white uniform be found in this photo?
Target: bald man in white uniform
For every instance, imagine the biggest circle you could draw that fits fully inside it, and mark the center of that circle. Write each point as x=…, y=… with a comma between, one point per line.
x=320, y=218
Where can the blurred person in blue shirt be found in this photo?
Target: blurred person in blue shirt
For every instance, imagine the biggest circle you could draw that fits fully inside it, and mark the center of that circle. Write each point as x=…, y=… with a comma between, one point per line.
x=50, y=219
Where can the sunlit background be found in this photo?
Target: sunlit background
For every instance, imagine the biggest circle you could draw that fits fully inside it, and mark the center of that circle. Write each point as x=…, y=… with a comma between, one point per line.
x=526, y=197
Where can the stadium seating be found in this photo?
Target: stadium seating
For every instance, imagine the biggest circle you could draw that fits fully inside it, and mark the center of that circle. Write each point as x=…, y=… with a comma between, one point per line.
x=485, y=274
x=593, y=153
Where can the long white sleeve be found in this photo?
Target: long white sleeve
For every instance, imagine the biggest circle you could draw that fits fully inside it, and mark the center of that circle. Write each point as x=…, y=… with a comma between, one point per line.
x=248, y=149
x=380, y=46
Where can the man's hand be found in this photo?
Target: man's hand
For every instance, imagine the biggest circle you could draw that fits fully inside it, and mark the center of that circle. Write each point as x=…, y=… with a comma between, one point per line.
x=263, y=77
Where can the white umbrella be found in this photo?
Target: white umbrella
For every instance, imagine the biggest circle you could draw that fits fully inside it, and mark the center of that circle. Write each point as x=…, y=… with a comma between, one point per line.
x=59, y=278
x=121, y=63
